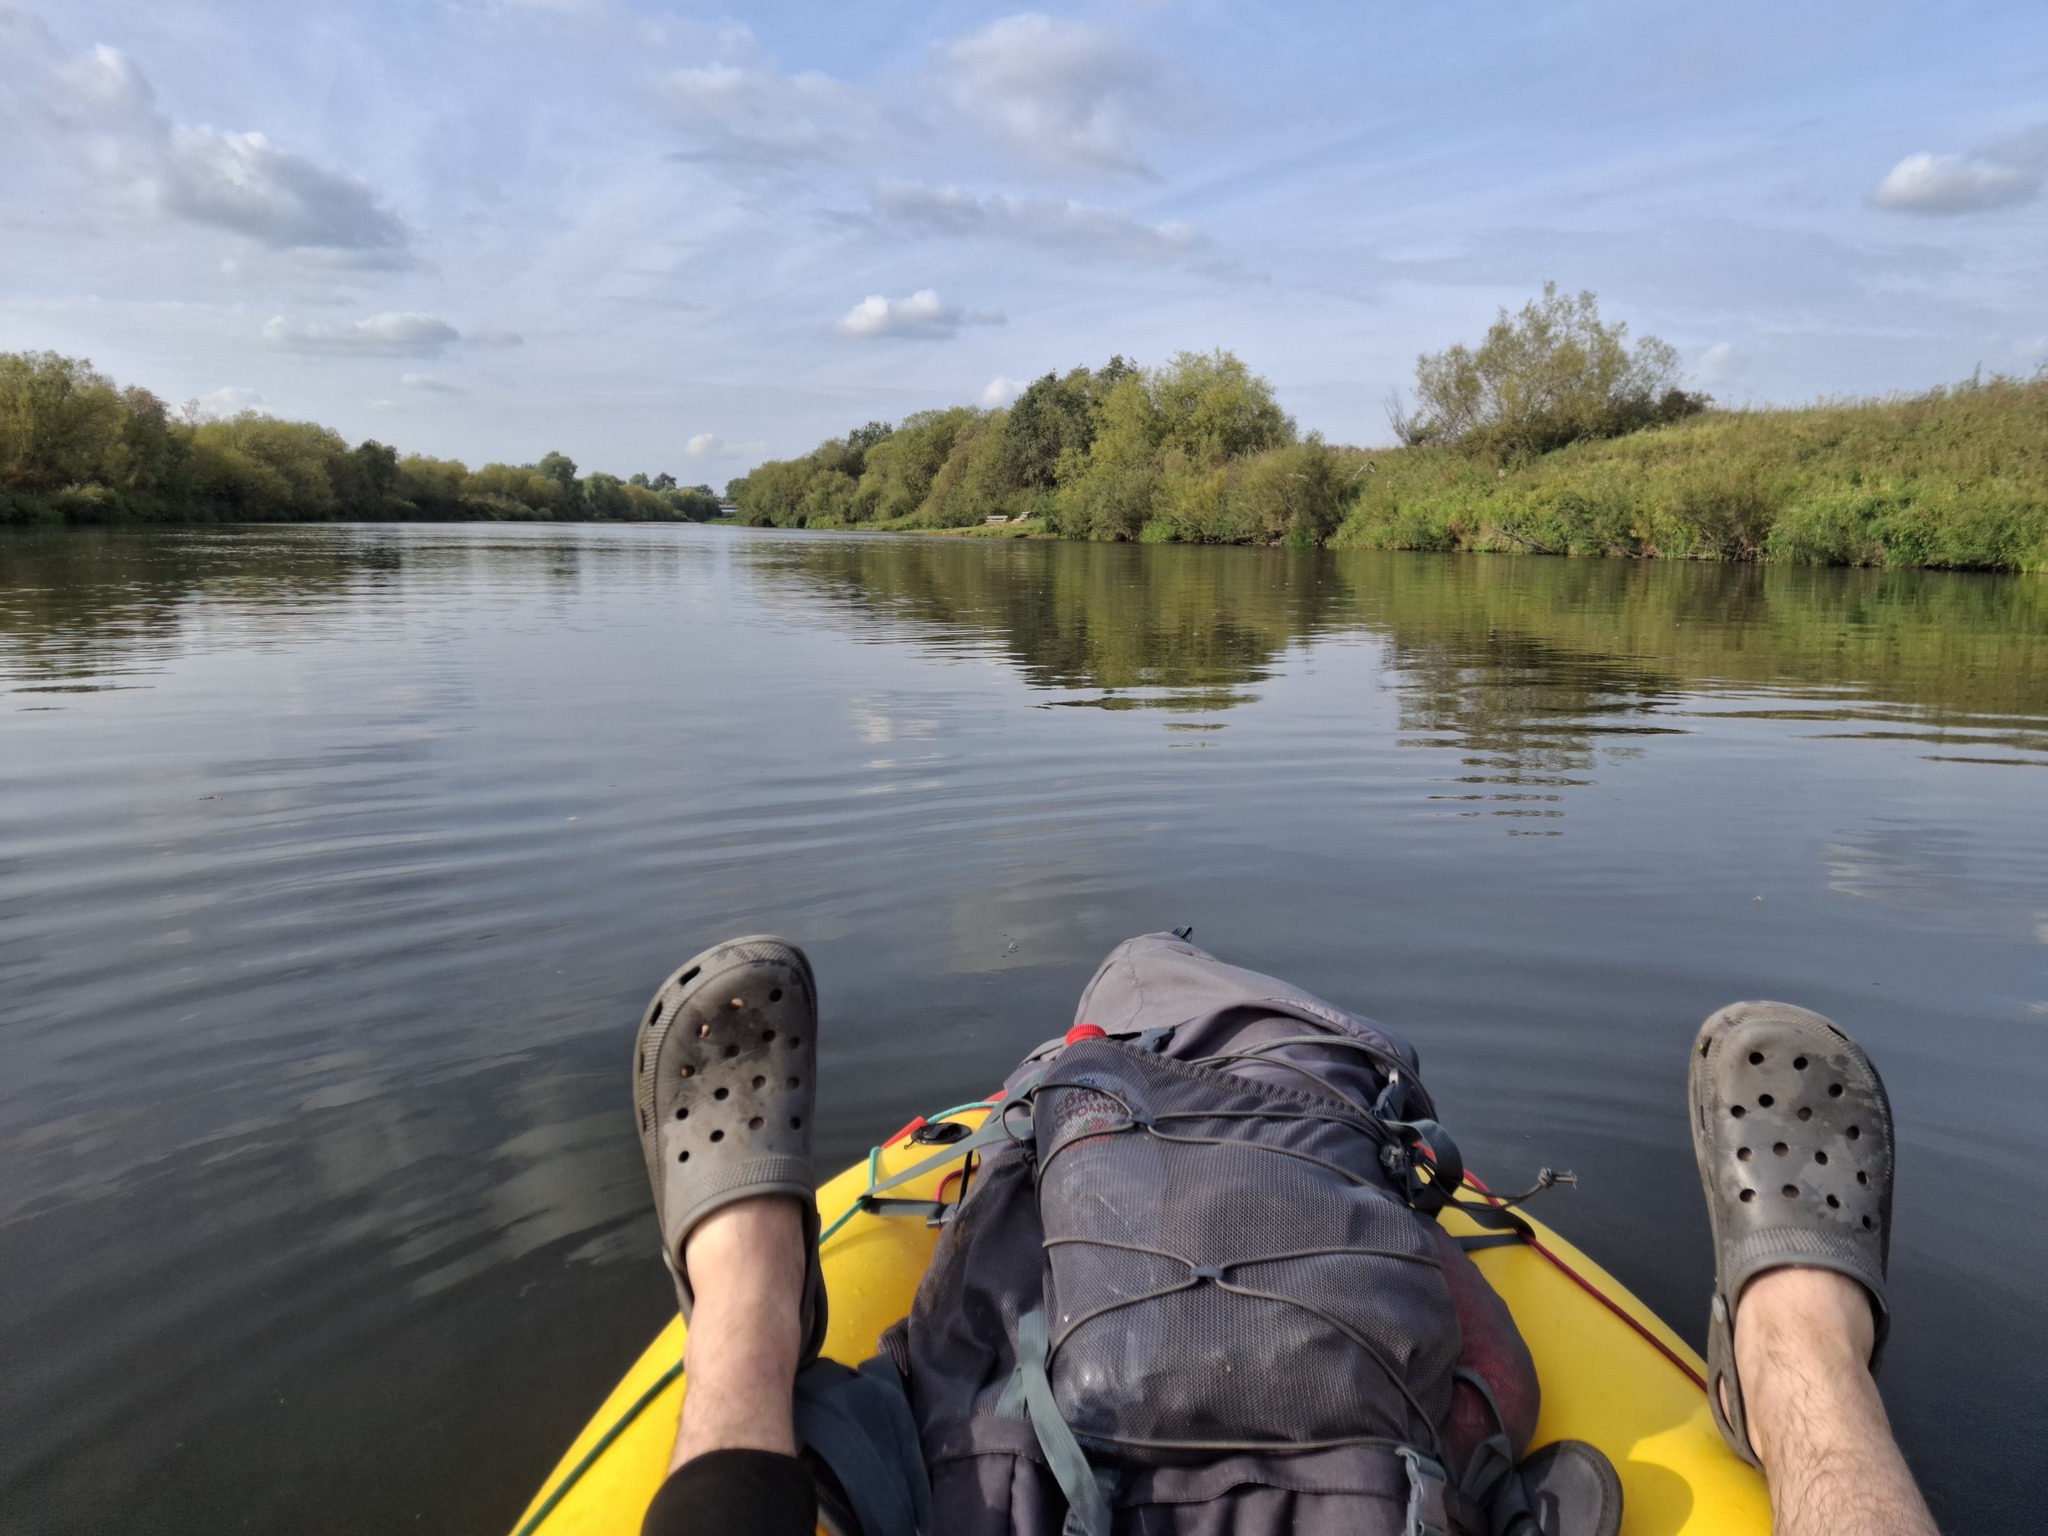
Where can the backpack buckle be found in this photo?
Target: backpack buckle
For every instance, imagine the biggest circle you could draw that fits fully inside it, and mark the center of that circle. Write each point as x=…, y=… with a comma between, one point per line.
x=1426, y=1485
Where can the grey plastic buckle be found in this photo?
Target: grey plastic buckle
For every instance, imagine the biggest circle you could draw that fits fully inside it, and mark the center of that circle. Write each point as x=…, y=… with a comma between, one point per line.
x=1426, y=1484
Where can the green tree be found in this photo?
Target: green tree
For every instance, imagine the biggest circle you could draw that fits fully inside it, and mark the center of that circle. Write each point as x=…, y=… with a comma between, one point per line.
x=1054, y=420
x=371, y=478
x=1164, y=443
x=695, y=503
x=430, y=489
x=861, y=439
x=1109, y=492
x=561, y=469
x=57, y=419
x=265, y=470
x=1553, y=374
x=900, y=468
x=604, y=497
x=521, y=490
x=1213, y=409
x=976, y=481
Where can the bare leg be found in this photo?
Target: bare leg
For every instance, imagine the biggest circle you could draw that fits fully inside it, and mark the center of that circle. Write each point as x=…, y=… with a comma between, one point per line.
x=746, y=1266
x=1802, y=1349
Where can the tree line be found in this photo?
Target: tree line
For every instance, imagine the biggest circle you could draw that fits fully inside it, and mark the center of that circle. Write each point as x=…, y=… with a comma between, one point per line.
x=1554, y=434
x=1196, y=450
x=1200, y=451
x=75, y=447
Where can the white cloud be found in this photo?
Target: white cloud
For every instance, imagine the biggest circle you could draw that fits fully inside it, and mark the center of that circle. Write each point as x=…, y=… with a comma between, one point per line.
x=1721, y=364
x=228, y=400
x=427, y=384
x=1001, y=390
x=1079, y=227
x=924, y=316
x=709, y=445
x=1928, y=183
x=236, y=181
x=1070, y=93
x=756, y=117
x=388, y=335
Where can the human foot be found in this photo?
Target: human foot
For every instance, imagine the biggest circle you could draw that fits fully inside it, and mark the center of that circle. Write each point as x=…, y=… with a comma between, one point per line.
x=724, y=1083
x=1793, y=1135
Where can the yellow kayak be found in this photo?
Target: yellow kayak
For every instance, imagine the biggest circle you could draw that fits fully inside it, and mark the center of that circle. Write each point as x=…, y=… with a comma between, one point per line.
x=1612, y=1372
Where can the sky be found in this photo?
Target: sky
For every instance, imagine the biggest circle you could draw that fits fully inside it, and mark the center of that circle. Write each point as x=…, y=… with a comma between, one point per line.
x=684, y=238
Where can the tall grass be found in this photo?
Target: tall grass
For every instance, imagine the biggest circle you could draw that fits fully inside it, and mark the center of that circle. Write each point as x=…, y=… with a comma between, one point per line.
x=1953, y=478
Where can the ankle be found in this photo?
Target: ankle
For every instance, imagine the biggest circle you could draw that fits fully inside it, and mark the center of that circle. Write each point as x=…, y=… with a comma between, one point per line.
x=751, y=1249
x=1804, y=1314
x=1802, y=1353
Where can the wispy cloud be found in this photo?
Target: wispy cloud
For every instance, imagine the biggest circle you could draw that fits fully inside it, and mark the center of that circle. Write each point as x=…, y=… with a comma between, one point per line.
x=427, y=384
x=1721, y=365
x=1078, y=227
x=1001, y=390
x=387, y=335
x=228, y=400
x=924, y=316
x=710, y=446
x=235, y=181
x=1938, y=184
x=756, y=117
x=1065, y=93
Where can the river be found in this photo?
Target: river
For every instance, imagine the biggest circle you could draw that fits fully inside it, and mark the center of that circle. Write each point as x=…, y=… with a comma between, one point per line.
x=336, y=864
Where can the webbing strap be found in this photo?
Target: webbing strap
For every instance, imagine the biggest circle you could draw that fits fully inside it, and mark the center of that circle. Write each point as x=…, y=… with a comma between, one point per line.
x=931, y=1210
x=992, y=1131
x=1087, y=1509
x=860, y=1425
x=1426, y=1484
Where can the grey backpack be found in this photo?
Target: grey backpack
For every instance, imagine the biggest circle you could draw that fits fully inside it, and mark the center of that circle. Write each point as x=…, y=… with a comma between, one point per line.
x=1193, y=1288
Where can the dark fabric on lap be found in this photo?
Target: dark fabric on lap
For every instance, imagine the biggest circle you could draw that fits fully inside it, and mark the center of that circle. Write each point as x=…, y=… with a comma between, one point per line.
x=735, y=1493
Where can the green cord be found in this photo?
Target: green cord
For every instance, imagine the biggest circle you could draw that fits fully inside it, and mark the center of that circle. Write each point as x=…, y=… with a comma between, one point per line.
x=874, y=1166
x=626, y=1419
x=604, y=1444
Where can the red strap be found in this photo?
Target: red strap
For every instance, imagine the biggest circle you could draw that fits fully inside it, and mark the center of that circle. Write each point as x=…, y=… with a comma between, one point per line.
x=1601, y=1296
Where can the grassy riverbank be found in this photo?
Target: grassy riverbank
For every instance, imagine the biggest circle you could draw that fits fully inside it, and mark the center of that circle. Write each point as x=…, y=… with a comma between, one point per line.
x=1954, y=478
x=1197, y=452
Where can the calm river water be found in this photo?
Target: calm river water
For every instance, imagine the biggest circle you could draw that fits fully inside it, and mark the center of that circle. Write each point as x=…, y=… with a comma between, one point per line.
x=336, y=864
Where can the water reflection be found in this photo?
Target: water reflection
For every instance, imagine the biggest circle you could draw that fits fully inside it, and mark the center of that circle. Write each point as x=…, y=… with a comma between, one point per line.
x=335, y=861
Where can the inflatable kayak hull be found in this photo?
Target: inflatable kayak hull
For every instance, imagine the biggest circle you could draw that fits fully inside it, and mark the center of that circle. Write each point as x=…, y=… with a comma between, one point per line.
x=1612, y=1373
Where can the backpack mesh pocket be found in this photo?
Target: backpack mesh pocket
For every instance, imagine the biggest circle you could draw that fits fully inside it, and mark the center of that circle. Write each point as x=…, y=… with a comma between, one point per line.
x=1227, y=1268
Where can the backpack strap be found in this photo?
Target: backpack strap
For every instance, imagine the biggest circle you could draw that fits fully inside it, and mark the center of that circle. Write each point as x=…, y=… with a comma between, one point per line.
x=1426, y=1486
x=1087, y=1508
x=860, y=1425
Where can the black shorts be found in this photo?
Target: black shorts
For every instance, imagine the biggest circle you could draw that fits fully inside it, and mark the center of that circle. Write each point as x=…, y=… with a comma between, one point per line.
x=735, y=1493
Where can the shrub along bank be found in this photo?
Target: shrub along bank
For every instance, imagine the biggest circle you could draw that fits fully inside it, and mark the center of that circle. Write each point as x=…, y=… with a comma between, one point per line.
x=1956, y=477
x=77, y=448
x=1198, y=452
x=1555, y=434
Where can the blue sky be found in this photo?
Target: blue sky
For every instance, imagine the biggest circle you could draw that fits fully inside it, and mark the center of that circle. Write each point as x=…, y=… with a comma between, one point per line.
x=670, y=237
